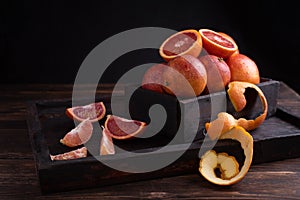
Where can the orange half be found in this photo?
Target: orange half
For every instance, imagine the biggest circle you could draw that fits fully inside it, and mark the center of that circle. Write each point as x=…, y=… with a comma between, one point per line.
x=217, y=44
x=181, y=43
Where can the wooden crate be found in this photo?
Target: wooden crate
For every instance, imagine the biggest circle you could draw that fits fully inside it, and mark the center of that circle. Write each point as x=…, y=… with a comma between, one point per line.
x=183, y=110
x=48, y=123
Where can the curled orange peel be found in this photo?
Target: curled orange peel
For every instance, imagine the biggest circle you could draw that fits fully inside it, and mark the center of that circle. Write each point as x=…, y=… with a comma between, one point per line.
x=230, y=173
x=225, y=121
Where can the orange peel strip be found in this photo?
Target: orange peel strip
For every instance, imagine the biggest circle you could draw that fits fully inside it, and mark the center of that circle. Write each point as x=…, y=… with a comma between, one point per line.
x=209, y=161
x=236, y=90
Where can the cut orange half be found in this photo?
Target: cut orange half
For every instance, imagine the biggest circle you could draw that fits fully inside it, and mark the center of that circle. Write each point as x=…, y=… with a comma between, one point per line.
x=217, y=44
x=121, y=128
x=232, y=40
x=181, y=43
x=93, y=112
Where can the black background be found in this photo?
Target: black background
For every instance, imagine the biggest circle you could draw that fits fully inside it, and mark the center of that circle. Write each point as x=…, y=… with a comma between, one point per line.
x=46, y=41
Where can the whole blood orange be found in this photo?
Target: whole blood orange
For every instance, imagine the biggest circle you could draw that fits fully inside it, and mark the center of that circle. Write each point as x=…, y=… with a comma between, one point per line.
x=243, y=68
x=181, y=43
x=218, y=73
x=216, y=44
x=152, y=79
x=121, y=128
x=93, y=111
x=185, y=77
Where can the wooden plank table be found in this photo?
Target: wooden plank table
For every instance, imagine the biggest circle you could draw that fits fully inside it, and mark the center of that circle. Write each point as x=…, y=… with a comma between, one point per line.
x=18, y=178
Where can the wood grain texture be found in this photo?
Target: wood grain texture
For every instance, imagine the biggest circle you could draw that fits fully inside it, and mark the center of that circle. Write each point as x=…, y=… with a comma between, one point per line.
x=18, y=178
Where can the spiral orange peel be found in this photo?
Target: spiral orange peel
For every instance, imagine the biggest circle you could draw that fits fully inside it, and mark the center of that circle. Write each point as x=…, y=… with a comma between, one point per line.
x=228, y=165
x=236, y=92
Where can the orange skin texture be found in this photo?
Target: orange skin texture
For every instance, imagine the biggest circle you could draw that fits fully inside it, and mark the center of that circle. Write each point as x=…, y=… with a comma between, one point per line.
x=190, y=69
x=152, y=79
x=243, y=68
x=218, y=73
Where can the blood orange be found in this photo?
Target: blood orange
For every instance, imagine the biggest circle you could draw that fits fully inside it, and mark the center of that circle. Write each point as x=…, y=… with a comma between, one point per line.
x=243, y=68
x=78, y=135
x=230, y=38
x=218, y=73
x=152, y=79
x=121, y=128
x=93, y=111
x=74, y=154
x=183, y=74
x=216, y=44
x=106, y=143
x=181, y=43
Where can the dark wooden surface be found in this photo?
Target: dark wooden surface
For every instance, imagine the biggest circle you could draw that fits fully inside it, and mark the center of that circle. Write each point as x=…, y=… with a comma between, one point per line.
x=18, y=179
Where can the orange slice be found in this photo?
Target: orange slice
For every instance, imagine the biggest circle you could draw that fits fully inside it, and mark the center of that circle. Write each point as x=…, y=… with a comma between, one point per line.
x=181, y=43
x=216, y=44
x=229, y=168
x=78, y=135
x=106, y=144
x=93, y=111
x=121, y=128
x=75, y=154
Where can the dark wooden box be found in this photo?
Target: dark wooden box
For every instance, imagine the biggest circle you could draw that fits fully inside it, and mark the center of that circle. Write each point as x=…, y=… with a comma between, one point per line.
x=183, y=111
x=47, y=123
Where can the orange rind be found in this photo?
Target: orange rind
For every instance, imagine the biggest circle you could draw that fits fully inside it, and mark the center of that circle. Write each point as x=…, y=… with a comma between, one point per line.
x=229, y=168
x=210, y=161
x=236, y=92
